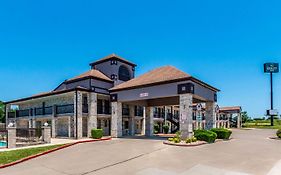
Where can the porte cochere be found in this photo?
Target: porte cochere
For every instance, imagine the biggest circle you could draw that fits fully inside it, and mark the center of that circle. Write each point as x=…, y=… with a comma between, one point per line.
x=108, y=96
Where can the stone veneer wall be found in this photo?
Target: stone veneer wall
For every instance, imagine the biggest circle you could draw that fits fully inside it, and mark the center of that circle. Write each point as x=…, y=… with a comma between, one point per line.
x=62, y=126
x=61, y=99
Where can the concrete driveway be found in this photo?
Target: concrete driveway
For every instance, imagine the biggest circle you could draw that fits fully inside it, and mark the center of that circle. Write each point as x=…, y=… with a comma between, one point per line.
x=250, y=152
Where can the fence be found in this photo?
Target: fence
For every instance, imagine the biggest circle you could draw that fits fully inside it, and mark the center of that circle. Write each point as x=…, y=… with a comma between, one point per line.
x=3, y=138
x=29, y=136
x=2, y=126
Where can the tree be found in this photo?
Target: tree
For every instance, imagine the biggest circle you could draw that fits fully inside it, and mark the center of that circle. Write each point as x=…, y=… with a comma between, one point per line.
x=244, y=116
x=2, y=112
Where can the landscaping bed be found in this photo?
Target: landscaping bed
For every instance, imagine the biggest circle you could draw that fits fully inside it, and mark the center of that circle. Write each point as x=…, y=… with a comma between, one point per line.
x=184, y=144
x=278, y=135
x=200, y=137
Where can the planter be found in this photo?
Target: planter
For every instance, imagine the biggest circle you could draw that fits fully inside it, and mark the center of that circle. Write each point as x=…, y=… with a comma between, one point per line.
x=183, y=144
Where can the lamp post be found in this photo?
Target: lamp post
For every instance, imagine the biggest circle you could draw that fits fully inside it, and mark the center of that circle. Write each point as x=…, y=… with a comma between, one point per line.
x=271, y=68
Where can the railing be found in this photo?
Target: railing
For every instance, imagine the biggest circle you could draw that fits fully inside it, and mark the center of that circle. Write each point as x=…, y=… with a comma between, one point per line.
x=38, y=111
x=173, y=116
x=22, y=113
x=65, y=109
x=125, y=111
x=159, y=115
x=106, y=111
x=48, y=110
x=29, y=135
x=139, y=112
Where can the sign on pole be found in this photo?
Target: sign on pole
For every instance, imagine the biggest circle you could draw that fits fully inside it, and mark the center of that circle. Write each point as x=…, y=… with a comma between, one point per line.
x=271, y=68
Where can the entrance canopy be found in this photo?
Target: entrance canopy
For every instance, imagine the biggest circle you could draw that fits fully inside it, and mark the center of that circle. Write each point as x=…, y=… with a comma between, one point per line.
x=163, y=85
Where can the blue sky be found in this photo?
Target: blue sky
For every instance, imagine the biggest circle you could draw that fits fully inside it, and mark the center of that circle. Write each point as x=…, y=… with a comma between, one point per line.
x=223, y=43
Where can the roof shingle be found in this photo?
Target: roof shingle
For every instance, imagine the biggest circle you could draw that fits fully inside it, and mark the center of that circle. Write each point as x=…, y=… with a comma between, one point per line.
x=91, y=73
x=113, y=55
x=162, y=74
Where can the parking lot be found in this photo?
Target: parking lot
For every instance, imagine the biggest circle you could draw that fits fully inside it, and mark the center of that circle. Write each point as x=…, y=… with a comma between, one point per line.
x=249, y=152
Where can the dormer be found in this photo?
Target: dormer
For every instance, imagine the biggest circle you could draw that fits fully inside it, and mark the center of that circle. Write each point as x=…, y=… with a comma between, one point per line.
x=116, y=68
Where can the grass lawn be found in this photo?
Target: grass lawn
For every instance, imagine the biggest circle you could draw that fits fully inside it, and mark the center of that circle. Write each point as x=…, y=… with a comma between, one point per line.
x=263, y=124
x=11, y=156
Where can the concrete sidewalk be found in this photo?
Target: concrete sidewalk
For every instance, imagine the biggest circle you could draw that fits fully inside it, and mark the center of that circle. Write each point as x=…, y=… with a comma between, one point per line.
x=54, y=141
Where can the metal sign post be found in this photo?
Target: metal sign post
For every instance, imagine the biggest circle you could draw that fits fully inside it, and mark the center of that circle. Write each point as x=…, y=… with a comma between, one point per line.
x=271, y=68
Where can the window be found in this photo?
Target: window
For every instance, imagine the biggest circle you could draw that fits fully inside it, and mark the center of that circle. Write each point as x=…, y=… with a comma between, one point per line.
x=126, y=123
x=113, y=62
x=124, y=73
x=99, y=106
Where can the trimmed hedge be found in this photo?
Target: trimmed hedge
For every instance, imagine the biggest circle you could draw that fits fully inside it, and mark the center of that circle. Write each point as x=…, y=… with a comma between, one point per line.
x=222, y=133
x=278, y=133
x=156, y=128
x=205, y=135
x=166, y=129
x=97, y=133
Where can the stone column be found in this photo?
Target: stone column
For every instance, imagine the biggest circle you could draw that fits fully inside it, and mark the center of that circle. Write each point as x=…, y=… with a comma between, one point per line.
x=78, y=115
x=228, y=120
x=165, y=115
x=11, y=137
x=116, y=119
x=210, y=115
x=7, y=108
x=149, y=121
x=93, y=113
x=201, y=120
x=46, y=134
x=53, y=120
x=69, y=127
x=239, y=120
x=143, y=122
x=132, y=120
x=224, y=121
x=186, y=116
x=30, y=123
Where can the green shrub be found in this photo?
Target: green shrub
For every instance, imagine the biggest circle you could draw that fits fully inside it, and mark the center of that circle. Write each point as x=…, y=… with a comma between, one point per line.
x=97, y=133
x=166, y=129
x=193, y=139
x=222, y=133
x=278, y=133
x=190, y=140
x=178, y=134
x=156, y=128
x=176, y=139
x=205, y=135
x=171, y=139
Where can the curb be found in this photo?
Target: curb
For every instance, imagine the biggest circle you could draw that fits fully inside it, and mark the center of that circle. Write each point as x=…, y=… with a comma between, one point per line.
x=274, y=138
x=183, y=145
x=50, y=151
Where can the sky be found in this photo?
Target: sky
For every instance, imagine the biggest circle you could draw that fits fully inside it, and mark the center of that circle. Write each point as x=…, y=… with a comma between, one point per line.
x=223, y=43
